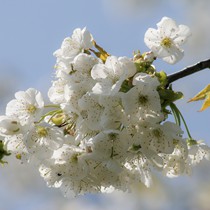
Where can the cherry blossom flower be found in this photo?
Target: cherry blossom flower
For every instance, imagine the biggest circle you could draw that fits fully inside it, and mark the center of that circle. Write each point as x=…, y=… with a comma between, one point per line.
x=80, y=40
x=42, y=140
x=111, y=75
x=107, y=128
x=27, y=106
x=141, y=101
x=166, y=40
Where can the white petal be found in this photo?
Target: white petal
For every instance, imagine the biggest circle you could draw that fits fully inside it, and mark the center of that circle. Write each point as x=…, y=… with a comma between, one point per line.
x=167, y=27
x=175, y=55
x=182, y=34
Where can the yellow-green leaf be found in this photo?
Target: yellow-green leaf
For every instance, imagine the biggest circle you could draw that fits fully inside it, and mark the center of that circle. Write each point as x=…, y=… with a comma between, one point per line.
x=206, y=102
x=203, y=95
x=102, y=54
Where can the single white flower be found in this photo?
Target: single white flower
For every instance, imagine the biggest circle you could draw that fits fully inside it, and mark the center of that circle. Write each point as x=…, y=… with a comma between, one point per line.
x=166, y=40
x=43, y=139
x=27, y=106
x=80, y=40
x=110, y=76
x=142, y=102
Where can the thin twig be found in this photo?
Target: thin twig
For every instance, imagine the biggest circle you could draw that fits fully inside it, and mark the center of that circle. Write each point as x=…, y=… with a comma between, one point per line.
x=188, y=71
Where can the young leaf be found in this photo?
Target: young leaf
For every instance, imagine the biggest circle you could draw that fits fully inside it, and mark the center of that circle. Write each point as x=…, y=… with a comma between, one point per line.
x=203, y=95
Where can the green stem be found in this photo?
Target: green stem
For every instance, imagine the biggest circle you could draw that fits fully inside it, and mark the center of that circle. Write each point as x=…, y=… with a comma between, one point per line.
x=183, y=120
x=51, y=106
x=175, y=114
x=49, y=113
x=57, y=112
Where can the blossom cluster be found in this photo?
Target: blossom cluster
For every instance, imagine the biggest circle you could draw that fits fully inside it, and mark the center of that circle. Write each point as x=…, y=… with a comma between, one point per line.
x=107, y=126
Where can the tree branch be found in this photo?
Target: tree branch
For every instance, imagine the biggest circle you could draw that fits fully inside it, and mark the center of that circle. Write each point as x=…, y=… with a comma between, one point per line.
x=188, y=71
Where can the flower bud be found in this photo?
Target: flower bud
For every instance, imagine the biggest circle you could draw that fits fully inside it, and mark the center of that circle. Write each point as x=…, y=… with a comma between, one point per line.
x=59, y=119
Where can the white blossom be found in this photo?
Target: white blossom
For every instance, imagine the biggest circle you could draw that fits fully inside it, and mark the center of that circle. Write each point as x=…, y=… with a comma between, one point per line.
x=42, y=140
x=72, y=94
x=166, y=40
x=100, y=111
x=67, y=169
x=56, y=91
x=109, y=144
x=142, y=102
x=111, y=75
x=27, y=106
x=78, y=70
x=80, y=40
x=197, y=153
x=175, y=164
x=16, y=146
x=82, y=66
x=137, y=171
x=107, y=127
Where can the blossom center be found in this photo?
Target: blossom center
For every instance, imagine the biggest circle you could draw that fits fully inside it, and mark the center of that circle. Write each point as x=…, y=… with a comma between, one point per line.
x=31, y=109
x=41, y=131
x=113, y=136
x=74, y=158
x=157, y=133
x=166, y=42
x=143, y=99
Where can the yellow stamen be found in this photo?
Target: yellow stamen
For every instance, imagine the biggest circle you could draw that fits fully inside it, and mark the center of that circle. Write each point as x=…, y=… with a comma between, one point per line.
x=166, y=42
x=42, y=132
x=31, y=109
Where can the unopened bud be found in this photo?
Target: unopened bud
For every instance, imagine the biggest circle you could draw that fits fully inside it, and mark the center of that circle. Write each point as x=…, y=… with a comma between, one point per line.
x=149, y=56
x=59, y=119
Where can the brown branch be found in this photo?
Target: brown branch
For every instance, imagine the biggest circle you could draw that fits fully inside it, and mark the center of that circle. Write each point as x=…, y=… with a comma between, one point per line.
x=188, y=71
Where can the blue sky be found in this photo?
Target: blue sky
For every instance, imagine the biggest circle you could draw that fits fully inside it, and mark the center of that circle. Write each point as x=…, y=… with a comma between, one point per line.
x=32, y=30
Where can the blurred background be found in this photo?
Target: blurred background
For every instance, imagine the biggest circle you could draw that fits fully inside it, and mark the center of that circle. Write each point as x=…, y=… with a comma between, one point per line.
x=32, y=30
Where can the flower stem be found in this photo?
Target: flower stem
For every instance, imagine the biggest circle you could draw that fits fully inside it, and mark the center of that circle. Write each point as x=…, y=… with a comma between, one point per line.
x=179, y=115
x=188, y=71
x=51, y=106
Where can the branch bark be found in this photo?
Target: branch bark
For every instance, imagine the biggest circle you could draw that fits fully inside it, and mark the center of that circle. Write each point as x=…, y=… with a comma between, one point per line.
x=188, y=71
